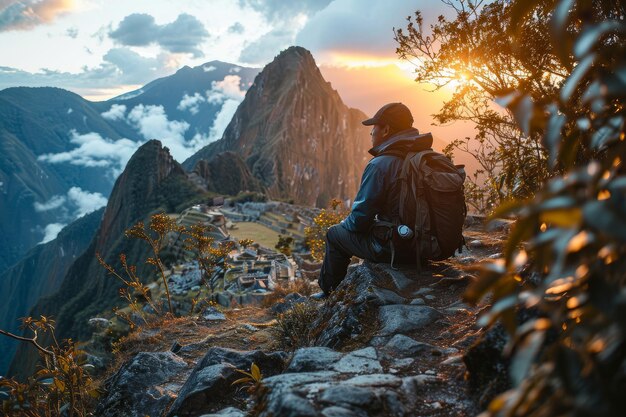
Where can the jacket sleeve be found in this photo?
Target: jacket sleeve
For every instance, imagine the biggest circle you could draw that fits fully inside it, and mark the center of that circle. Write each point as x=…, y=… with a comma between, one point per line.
x=368, y=201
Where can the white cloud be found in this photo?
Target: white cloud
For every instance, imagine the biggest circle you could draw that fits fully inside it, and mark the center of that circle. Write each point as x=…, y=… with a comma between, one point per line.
x=227, y=89
x=152, y=122
x=116, y=112
x=191, y=103
x=77, y=201
x=54, y=203
x=51, y=231
x=222, y=118
x=95, y=151
x=209, y=68
x=26, y=14
x=84, y=201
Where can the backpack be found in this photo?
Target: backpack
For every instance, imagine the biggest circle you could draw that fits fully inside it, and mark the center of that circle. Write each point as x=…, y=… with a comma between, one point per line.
x=431, y=204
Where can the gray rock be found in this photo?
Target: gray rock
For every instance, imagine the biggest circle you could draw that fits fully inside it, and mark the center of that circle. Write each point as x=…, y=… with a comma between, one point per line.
x=394, y=404
x=350, y=395
x=214, y=374
x=406, y=318
x=476, y=243
x=418, y=302
x=336, y=411
x=382, y=297
x=137, y=388
x=422, y=291
x=313, y=359
x=227, y=412
x=401, y=345
x=289, y=405
x=212, y=313
x=358, y=363
x=375, y=380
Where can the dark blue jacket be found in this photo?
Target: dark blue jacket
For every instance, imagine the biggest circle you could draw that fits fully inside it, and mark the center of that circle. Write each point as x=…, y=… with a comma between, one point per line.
x=378, y=193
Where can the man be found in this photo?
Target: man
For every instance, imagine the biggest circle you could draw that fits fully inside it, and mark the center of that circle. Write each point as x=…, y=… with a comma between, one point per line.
x=378, y=198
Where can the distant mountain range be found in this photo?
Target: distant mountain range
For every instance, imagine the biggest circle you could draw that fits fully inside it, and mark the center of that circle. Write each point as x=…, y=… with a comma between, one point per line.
x=52, y=140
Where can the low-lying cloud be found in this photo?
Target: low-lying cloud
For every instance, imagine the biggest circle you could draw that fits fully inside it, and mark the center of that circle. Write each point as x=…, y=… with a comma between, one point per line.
x=75, y=204
x=184, y=35
x=95, y=151
x=26, y=14
x=115, y=113
x=191, y=103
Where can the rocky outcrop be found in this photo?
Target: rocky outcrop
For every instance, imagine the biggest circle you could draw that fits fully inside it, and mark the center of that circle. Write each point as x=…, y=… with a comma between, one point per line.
x=228, y=174
x=295, y=134
x=152, y=181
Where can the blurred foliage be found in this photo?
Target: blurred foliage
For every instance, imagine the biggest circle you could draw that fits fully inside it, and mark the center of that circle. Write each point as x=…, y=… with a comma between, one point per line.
x=315, y=235
x=565, y=257
x=284, y=244
x=472, y=55
x=62, y=385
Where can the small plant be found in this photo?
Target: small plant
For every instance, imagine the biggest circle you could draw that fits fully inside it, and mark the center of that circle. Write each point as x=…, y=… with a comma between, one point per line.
x=62, y=386
x=251, y=379
x=315, y=236
x=244, y=243
x=292, y=329
x=284, y=244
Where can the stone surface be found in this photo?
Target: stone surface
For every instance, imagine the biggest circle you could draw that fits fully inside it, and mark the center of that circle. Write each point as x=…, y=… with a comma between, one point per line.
x=212, y=313
x=405, y=318
x=418, y=302
x=385, y=297
x=402, y=346
x=362, y=361
x=313, y=359
x=137, y=388
x=214, y=374
x=227, y=412
x=350, y=395
x=375, y=380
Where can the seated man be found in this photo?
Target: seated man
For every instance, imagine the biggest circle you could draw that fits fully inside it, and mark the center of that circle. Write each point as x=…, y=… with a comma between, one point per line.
x=377, y=199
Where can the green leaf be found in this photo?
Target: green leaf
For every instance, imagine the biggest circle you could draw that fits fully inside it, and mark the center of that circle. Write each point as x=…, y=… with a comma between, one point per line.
x=576, y=77
x=525, y=356
x=593, y=33
x=601, y=216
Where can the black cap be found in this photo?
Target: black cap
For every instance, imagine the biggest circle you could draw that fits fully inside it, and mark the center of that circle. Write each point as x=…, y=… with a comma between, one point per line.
x=396, y=115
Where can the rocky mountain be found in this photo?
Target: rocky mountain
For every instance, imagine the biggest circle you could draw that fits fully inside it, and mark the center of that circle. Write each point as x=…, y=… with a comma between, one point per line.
x=227, y=173
x=295, y=134
x=151, y=182
x=40, y=274
x=35, y=122
x=52, y=140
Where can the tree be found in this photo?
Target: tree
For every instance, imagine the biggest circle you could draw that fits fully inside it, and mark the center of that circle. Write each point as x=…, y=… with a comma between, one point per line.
x=571, y=238
x=474, y=55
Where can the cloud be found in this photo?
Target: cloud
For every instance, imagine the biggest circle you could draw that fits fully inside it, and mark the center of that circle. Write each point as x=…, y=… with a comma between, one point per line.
x=120, y=67
x=336, y=28
x=72, y=32
x=184, y=35
x=191, y=103
x=26, y=14
x=208, y=68
x=227, y=89
x=95, y=151
x=85, y=202
x=51, y=231
x=54, y=203
x=77, y=203
x=236, y=28
x=267, y=46
x=116, y=112
x=279, y=10
x=222, y=119
x=152, y=123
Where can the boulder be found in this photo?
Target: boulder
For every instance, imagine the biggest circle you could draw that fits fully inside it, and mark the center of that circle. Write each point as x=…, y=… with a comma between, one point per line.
x=406, y=318
x=211, y=380
x=139, y=386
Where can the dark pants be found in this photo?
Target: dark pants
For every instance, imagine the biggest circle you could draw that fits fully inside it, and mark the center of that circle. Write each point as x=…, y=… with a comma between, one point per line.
x=341, y=245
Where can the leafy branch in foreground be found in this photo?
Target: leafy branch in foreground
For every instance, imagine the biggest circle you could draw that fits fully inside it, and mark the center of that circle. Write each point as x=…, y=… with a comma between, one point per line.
x=62, y=386
x=566, y=256
x=315, y=235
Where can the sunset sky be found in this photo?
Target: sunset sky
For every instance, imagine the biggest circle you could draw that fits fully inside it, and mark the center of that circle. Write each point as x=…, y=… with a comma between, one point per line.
x=102, y=48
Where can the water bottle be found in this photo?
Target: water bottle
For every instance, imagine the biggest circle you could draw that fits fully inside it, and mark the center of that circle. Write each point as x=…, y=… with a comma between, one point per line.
x=405, y=232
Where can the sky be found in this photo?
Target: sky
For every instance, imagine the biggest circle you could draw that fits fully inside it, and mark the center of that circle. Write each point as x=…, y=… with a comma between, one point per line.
x=103, y=48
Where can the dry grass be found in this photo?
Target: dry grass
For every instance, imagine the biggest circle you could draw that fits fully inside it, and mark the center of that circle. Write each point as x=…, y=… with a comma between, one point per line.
x=301, y=286
x=292, y=329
